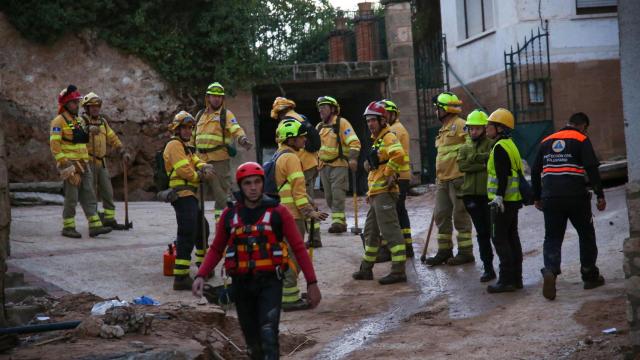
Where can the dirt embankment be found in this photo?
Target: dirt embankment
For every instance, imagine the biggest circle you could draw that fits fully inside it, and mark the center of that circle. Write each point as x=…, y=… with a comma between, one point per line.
x=139, y=103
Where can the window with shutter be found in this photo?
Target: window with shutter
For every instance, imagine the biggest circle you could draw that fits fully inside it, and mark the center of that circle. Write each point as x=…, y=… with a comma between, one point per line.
x=596, y=6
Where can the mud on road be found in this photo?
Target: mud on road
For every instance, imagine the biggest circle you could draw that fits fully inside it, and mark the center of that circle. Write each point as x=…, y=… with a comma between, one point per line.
x=441, y=312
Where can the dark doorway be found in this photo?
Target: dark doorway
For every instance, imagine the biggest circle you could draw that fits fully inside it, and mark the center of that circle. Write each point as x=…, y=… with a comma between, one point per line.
x=353, y=96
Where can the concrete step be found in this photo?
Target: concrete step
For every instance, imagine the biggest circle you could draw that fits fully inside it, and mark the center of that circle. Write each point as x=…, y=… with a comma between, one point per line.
x=17, y=294
x=13, y=279
x=21, y=314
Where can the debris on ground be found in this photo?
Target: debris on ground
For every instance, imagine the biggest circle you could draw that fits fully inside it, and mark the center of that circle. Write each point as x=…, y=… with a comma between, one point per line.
x=181, y=329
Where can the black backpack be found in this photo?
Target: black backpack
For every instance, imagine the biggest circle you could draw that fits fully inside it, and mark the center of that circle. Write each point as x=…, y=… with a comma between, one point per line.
x=313, y=136
x=270, y=186
x=160, y=176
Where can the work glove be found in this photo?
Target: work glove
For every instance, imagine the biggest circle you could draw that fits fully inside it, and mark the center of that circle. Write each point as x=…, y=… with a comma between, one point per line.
x=353, y=164
x=318, y=216
x=207, y=172
x=367, y=166
x=245, y=143
x=168, y=195
x=126, y=157
x=391, y=181
x=67, y=172
x=94, y=130
x=75, y=179
x=309, y=213
x=498, y=202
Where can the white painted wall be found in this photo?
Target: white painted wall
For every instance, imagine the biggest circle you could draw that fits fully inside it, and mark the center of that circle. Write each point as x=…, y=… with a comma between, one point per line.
x=574, y=38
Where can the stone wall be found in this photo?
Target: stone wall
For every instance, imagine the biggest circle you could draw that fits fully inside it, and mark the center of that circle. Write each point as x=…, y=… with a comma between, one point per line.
x=137, y=100
x=629, y=17
x=401, y=84
x=5, y=220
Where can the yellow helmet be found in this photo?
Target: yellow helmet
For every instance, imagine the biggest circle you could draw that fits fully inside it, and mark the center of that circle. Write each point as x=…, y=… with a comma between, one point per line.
x=215, y=88
x=504, y=117
x=280, y=104
x=181, y=118
x=91, y=99
x=448, y=102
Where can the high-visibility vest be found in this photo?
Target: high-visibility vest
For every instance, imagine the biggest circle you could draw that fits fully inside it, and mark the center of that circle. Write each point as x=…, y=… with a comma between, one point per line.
x=254, y=247
x=512, y=193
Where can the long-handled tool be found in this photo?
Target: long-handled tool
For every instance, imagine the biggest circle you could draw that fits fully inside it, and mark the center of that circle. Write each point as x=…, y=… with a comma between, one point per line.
x=310, y=241
x=355, y=230
x=423, y=257
x=127, y=224
x=205, y=244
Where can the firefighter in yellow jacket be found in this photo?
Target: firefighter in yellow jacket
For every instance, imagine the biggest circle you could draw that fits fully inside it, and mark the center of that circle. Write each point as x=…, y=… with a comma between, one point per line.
x=68, y=142
x=215, y=146
x=450, y=138
x=290, y=183
x=182, y=168
x=338, y=154
x=101, y=135
x=386, y=158
x=283, y=110
x=392, y=114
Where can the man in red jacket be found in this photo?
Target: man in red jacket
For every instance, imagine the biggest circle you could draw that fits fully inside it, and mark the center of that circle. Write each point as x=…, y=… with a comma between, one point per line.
x=250, y=236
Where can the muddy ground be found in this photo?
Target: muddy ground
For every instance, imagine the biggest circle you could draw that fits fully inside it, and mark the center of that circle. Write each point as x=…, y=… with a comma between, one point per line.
x=442, y=312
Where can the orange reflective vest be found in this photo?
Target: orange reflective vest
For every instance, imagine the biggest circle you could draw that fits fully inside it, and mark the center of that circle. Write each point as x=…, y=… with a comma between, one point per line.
x=255, y=247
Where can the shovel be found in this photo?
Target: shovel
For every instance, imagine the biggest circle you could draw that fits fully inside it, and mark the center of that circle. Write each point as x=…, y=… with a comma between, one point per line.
x=127, y=224
x=355, y=230
x=423, y=257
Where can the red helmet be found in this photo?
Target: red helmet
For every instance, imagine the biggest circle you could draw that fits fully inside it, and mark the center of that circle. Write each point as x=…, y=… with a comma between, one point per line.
x=374, y=108
x=249, y=169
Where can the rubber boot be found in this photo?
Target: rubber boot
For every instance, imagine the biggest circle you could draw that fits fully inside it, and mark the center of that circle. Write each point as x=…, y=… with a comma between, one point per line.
x=548, y=284
x=184, y=282
x=71, y=233
x=113, y=224
x=93, y=232
x=384, y=254
x=440, y=258
x=461, y=258
x=300, y=304
x=365, y=272
x=337, y=228
x=592, y=284
x=488, y=274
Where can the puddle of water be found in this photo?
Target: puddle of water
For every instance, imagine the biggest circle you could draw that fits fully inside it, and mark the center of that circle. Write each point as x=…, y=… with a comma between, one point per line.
x=429, y=286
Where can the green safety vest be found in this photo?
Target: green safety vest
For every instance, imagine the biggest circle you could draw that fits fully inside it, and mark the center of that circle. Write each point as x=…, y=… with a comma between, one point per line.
x=512, y=192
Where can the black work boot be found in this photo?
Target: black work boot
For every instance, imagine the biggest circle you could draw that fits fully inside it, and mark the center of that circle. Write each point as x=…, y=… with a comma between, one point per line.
x=461, y=258
x=365, y=273
x=592, y=284
x=488, y=274
x=500, y=287
x=548, y=284
x=384, y=254
x=95, y=231
x=113, y=224
x=337, y=228
x=183, y=282
x=393, y=278
x=71, y=233
x=313, y=244
x=298, y=305
x=440, y=258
